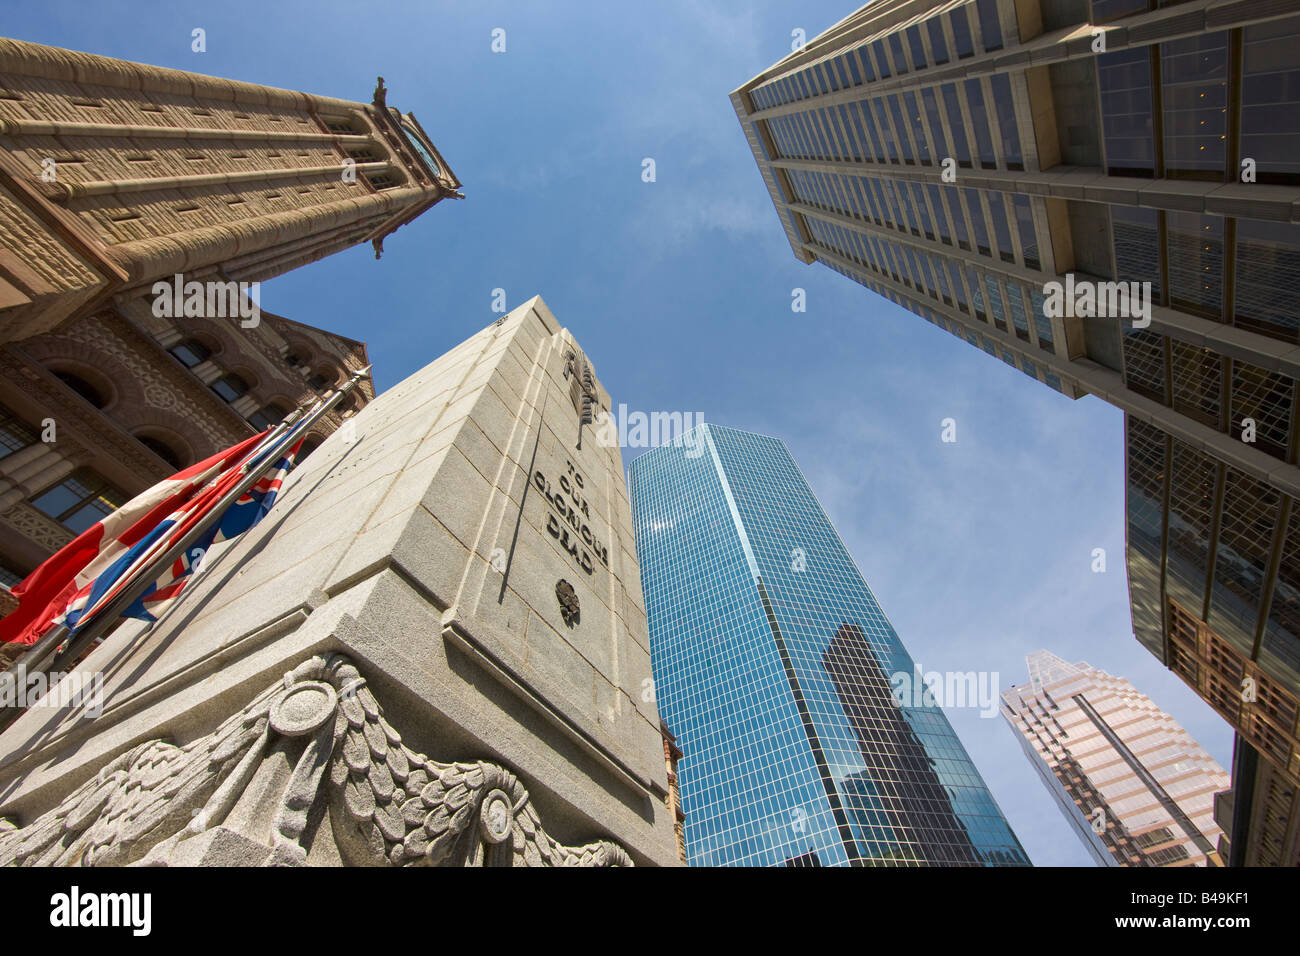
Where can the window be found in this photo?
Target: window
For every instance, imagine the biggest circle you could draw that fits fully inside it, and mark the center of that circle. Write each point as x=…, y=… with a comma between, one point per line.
x=938, y=47
x=1125, y=81
x=83, y=388
x=1268, y=275
x=990, y=29
x=266, y=416
x=189, y=352
x=1270, y=100
x=15, y=434
x=979, y=117
x=961, y=34
x=952, y=106
x=80, y=500
x=319, y=381
x=230, y=387
x=1195, y=256
x=917, y=47
x=1006, y=110
x=8, y=577
x=1136, y=233
x=161, y=449
x=1025, y=226
x=1001, y=230
x=1194, y=76
x=309, y=445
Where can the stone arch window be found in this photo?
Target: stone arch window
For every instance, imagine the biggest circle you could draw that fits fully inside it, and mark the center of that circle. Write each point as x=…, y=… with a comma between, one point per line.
x=190, y=352
x=268, y=415
x=309, y=445
x=323, y=378
x=94, y=388
x=230, y=387
x=80, y=500
x=164, y=449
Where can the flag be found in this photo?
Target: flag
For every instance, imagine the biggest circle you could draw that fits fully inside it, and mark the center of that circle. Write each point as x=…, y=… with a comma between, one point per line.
x=239, y=516
x=97, y=553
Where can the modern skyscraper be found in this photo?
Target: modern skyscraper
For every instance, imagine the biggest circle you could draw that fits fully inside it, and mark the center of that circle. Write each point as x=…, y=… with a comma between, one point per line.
x=773, y=665
x=1134, y=785
x=958, y=158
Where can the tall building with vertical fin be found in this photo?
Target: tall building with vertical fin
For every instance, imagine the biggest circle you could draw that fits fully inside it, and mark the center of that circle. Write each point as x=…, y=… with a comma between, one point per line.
x=1133, y=784
x=959, y=157
x=115, y=176
x=774, y=665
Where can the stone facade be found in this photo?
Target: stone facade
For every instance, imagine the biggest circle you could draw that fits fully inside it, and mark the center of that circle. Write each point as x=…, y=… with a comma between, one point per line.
x=468, y=550
x=147, y=414
x=115, y=176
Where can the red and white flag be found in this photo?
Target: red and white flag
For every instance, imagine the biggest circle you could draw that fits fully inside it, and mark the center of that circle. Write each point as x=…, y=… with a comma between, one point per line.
x=53, y=588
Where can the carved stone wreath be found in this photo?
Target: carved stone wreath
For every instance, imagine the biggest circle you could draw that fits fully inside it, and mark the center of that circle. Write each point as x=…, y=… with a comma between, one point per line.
x=352, y=777
x=570, y=610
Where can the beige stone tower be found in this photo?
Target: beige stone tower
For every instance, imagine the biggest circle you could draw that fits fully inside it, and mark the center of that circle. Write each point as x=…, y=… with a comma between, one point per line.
x=121, y=174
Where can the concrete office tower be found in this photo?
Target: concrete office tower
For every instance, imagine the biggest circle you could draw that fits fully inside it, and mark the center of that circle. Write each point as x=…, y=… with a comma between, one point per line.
x=432, y=650
x=777, y=671
x=959, y=158
x=124, y=174
x=1134, y=785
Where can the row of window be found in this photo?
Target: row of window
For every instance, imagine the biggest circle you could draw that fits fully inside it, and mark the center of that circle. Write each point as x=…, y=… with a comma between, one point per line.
x=1195, y=251
x=928, y=210
x=911, y=127
x=899, y=52
x=1237, y=538
x=992, y=297
x=85, y=496
x=1198, y=83
x=230, y=387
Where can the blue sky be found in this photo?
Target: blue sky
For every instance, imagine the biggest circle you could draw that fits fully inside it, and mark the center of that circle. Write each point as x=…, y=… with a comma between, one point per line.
x=979, y=551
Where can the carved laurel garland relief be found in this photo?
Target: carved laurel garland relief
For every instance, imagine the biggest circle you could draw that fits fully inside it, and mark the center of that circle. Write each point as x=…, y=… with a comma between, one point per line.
x=383, y=803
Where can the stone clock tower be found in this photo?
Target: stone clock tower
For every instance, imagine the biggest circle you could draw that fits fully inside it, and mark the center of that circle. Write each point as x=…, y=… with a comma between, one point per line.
x=434, y=650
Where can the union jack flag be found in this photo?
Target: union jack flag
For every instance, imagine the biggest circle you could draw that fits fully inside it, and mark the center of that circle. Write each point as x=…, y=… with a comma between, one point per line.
x=75, y=584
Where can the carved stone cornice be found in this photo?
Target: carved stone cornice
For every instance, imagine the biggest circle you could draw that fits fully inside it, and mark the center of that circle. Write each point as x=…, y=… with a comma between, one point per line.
x=36, y=527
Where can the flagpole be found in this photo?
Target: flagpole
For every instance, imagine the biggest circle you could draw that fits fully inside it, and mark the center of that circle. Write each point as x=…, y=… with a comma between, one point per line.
x=35, y=657
x=44, y=652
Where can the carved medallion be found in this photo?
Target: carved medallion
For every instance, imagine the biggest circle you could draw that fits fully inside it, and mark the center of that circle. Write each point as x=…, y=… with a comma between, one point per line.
x=568, y=599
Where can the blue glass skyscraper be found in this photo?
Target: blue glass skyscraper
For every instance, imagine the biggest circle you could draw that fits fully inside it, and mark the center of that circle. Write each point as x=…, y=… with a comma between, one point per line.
x=772, y=665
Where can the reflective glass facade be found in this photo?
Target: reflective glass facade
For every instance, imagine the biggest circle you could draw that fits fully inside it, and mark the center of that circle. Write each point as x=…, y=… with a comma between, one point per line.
x=772, y=664
x=1133, y=784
